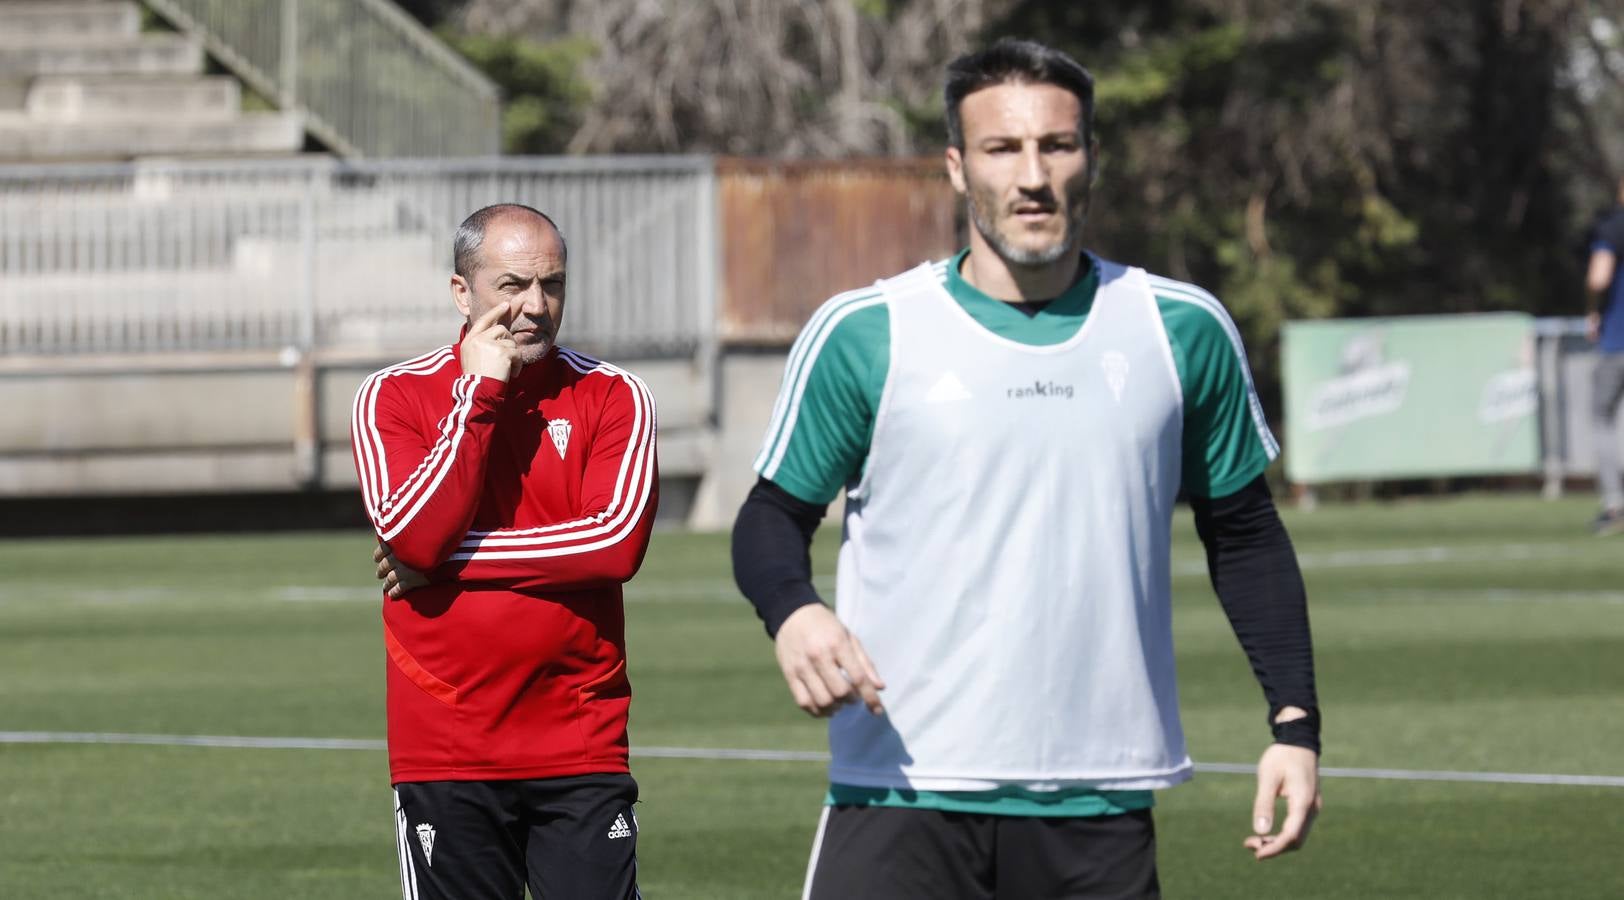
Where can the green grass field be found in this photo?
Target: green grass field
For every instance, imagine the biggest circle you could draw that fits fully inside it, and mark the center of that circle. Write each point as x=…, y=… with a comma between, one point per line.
x=1470, y=635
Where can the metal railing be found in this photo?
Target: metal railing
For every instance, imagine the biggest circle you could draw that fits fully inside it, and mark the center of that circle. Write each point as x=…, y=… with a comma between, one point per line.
x=368, y=79
x=319, y=254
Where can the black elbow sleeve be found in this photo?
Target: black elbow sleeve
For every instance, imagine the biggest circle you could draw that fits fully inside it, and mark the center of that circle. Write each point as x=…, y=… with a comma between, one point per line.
x=772, y=559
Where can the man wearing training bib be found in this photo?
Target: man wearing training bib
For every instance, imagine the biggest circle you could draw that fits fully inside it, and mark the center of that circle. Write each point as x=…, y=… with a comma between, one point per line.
x=1011, y=427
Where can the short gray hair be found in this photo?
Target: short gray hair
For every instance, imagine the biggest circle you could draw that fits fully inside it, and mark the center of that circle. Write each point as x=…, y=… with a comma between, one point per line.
x=471, y=234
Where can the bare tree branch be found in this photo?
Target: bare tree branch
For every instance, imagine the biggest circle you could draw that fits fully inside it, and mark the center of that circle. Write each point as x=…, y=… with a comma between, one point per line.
x=767, y=77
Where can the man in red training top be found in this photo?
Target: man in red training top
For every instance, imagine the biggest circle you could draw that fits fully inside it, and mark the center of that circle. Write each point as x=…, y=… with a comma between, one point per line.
x=512, y=483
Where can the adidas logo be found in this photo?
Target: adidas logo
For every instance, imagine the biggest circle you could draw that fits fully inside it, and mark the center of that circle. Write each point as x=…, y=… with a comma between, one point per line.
x=620, y=829
x=947, y=389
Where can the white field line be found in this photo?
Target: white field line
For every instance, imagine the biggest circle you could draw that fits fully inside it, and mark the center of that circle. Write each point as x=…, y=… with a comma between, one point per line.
x=1489, y=595
x=725, y=754
x=718, y=591
x=1416, y=556
x=1423, y=775
x=188, y=740
x=722, y=590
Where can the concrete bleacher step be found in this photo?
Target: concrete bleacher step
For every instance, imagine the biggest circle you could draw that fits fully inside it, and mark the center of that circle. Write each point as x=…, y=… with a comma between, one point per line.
x=144, y=54
x=110, y=230
x=101, y=97
x=185, y=308
x=26, y=139
x=346, y=260
x=206, y=289
x=28, y=20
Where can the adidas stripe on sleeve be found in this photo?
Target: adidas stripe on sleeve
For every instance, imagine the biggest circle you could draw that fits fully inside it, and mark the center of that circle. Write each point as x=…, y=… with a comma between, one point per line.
x=1227, y=441
x=420, y=490
x=823, y=419
x=619, y=493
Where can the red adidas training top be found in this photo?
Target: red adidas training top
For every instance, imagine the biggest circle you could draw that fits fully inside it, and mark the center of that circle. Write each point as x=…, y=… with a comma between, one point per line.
x=528, y=503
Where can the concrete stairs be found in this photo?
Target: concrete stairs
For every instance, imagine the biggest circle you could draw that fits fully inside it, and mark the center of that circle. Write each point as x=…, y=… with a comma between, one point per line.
x=71, y=19
x=79, y=81
x=104, y=231
x=209, y=98
x=245, y=306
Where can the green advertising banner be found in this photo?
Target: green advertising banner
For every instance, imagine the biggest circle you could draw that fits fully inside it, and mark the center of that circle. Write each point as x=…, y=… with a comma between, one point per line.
x=1409, y=397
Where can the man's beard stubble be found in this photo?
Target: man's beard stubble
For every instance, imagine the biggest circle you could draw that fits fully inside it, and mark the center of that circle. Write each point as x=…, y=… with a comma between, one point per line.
x=1076, y=216
x=532, y=354
x=539, y=345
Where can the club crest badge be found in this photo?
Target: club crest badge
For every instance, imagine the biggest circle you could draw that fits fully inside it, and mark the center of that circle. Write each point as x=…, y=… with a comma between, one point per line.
x=1116, y=373
x=425, y=836
x=559, y=431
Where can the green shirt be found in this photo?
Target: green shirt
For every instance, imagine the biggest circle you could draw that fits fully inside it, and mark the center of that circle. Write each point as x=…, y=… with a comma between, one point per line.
x=1004, y=801
x=821, y=445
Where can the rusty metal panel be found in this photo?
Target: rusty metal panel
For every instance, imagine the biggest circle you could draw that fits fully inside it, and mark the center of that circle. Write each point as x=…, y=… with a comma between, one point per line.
x=795, y=233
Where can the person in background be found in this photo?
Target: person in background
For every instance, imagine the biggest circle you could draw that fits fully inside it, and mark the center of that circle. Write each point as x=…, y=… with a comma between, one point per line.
x=1604, y=323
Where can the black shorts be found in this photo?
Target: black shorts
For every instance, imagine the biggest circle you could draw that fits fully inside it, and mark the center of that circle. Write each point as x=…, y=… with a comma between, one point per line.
x=567, y=838
x=886, y=853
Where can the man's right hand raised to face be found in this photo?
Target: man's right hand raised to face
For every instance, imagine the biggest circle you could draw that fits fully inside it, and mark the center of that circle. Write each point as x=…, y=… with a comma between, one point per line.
x=489, y=349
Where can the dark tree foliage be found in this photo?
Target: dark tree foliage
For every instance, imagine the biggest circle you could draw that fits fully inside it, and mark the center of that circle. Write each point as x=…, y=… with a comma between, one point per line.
x=1341, y=157
x=430, y=12
x=1300, y=158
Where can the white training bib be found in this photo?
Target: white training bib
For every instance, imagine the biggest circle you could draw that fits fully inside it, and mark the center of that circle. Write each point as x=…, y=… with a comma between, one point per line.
x=1006, y=553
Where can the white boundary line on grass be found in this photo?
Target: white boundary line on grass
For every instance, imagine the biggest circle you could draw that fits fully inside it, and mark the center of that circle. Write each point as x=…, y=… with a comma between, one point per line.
x=718, y=754
x=188, y=740
x=1424, y=775
x=723, y=590
x=1385, y=557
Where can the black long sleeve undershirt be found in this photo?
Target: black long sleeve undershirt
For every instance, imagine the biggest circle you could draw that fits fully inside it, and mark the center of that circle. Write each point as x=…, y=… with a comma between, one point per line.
x=1249, y=556
x=1254, y=572
x=772, y=558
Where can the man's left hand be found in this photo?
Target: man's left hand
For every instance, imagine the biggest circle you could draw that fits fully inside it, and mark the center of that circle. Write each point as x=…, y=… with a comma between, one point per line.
x=397, y=577
x=1292, y=773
